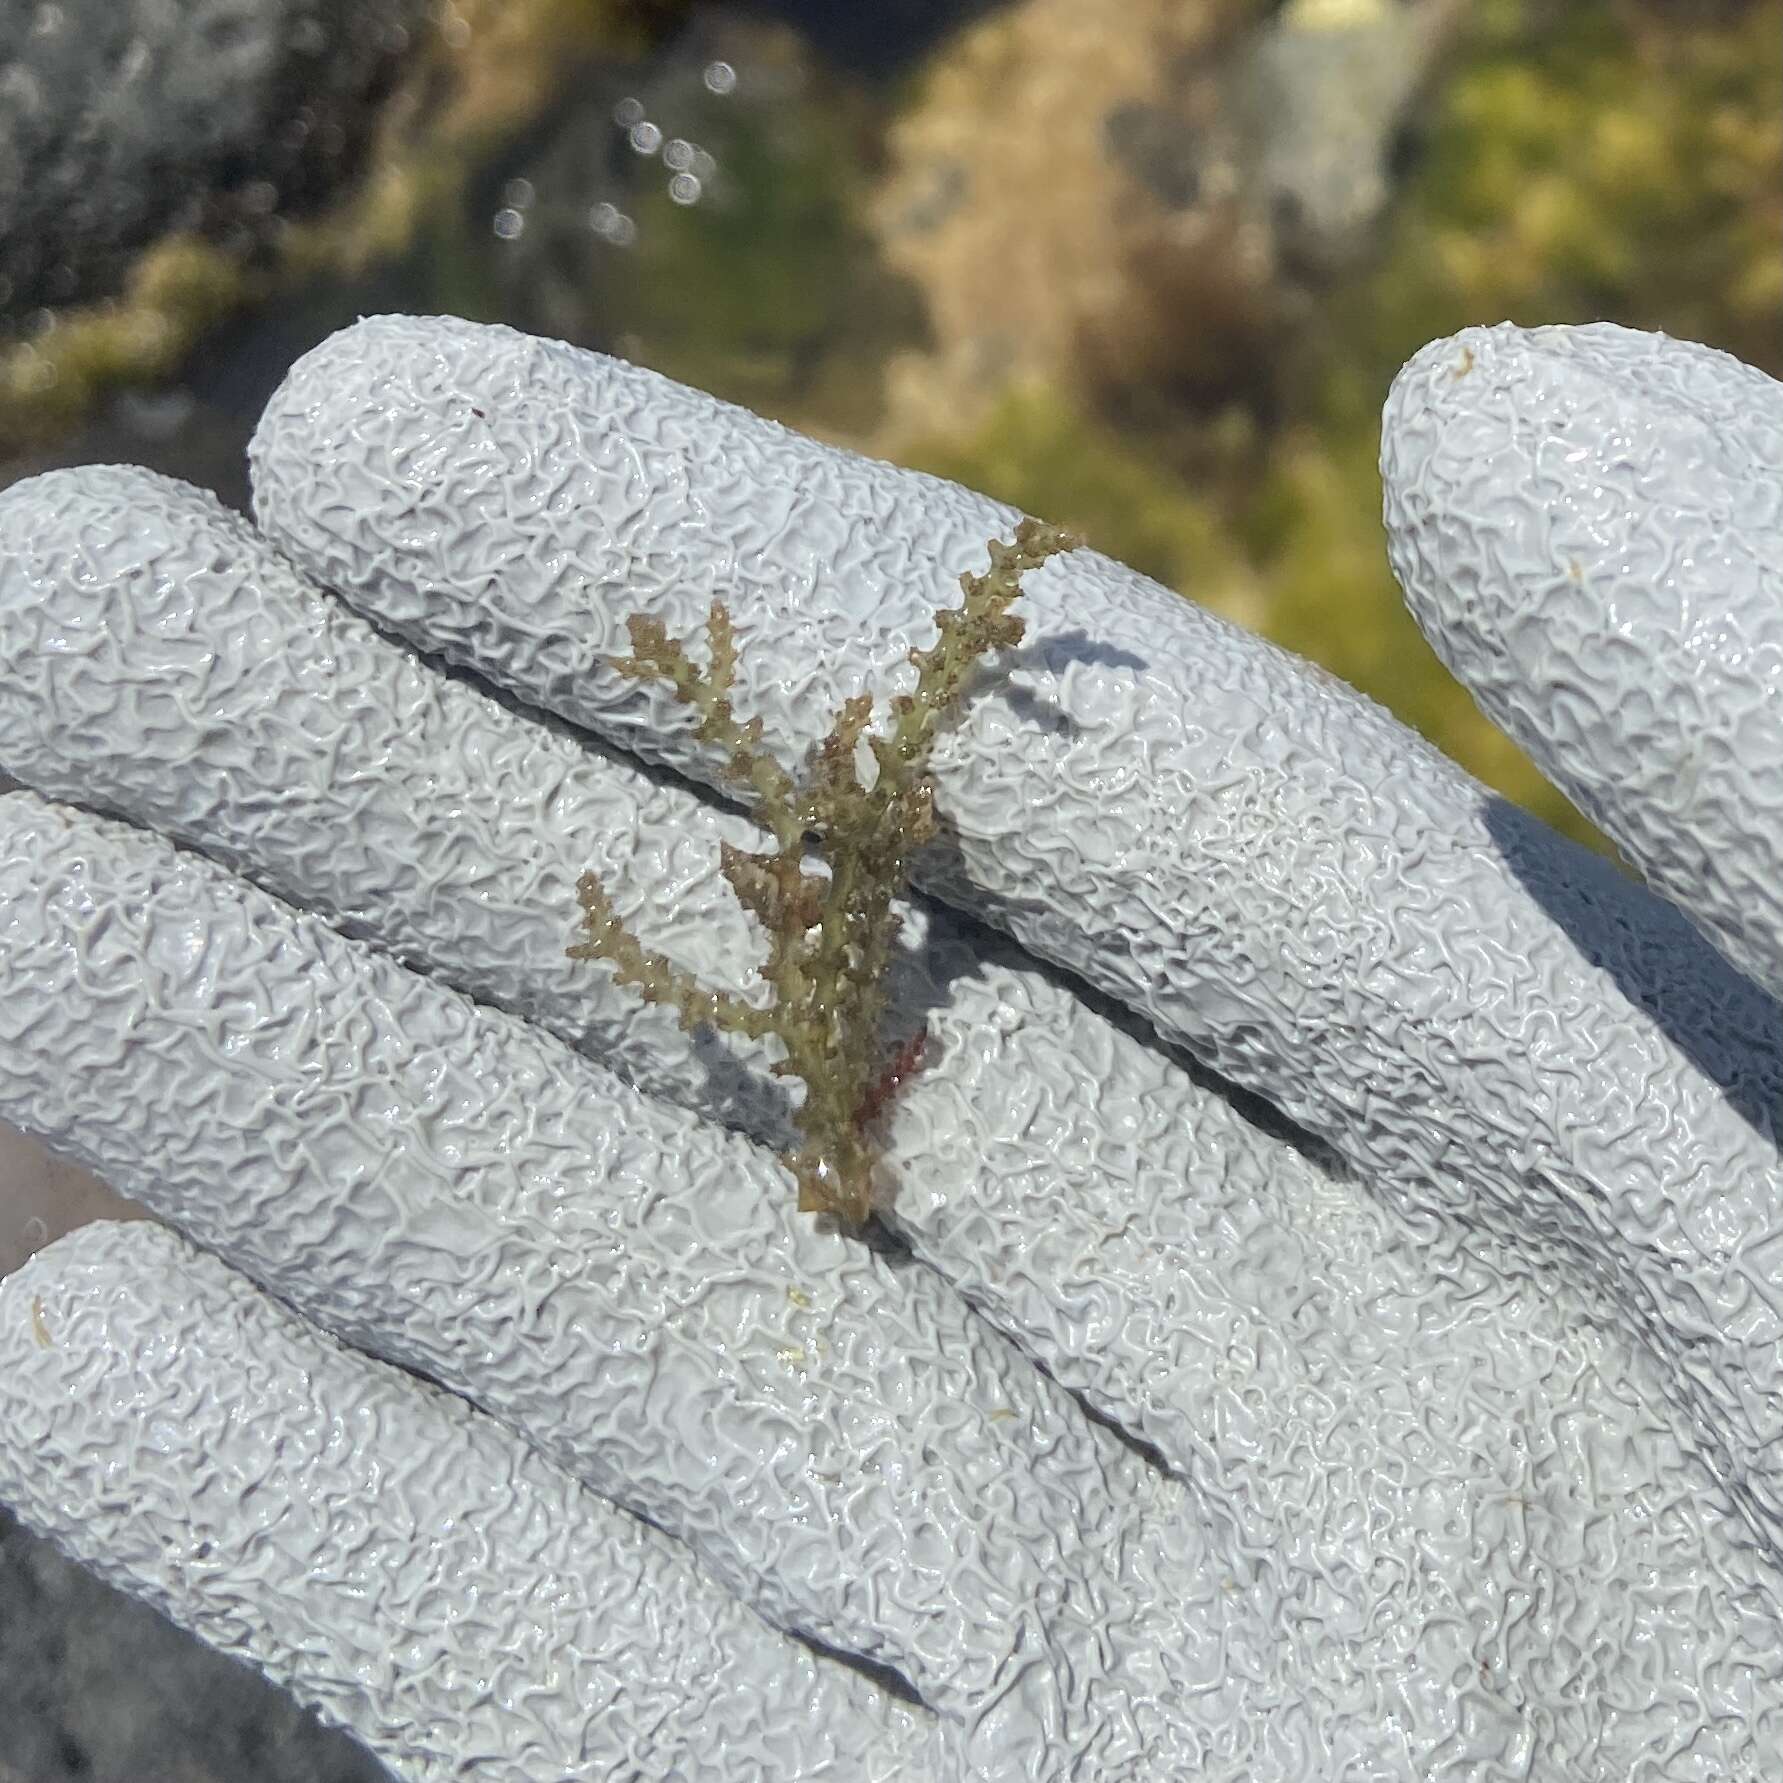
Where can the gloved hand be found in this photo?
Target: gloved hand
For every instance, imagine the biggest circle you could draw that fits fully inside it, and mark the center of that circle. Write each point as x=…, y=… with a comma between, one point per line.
x=1402, y=1403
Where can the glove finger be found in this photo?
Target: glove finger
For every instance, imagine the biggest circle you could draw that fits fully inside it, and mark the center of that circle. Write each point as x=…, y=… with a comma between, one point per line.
x=1483, y=1019
x=1409, y=1428
x=1587, y=527
x=395, y=1559
x=159, y=660
x=1122, y=1221
x=838, y=1440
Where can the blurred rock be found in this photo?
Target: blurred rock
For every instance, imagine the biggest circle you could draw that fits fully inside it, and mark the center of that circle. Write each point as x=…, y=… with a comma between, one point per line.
x=478, y=74
x=879, y=38
x=97, y=1689
x=123, y=119
x=1140, y=196
x=1318, y=101
x=697, y=210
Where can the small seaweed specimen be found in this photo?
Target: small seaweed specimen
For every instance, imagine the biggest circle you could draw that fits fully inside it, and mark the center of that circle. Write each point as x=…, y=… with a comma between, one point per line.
x=830, y=937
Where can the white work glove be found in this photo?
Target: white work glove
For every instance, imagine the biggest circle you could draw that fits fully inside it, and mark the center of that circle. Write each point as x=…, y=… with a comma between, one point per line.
x=1437, y=1437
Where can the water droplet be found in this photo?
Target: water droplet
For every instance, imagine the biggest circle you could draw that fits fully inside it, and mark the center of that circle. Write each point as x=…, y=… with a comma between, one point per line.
x=612, y=224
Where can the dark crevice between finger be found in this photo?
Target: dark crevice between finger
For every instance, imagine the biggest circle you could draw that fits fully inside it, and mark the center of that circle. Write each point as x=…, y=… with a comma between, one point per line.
x=993, y=924
x=1148, y=1452
x=897, y=1250
x=887, y=1677
x=885, y=1241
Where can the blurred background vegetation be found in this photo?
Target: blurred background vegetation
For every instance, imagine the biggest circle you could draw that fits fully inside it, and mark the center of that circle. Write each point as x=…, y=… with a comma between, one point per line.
x=1143, y=266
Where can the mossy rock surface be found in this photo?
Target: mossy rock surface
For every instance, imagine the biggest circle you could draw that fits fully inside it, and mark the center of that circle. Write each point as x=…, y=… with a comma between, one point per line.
x=131, y=244
x=1577, y=164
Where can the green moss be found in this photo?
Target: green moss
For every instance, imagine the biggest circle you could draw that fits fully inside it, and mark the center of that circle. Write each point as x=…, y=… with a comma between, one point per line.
x=1041, y=453
x=767, y=292
x=1583, y=163
x=1590, y=164
x=176, y=289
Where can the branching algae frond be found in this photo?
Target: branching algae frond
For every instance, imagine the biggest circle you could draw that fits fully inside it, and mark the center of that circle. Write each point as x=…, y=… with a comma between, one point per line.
x=830, y=937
